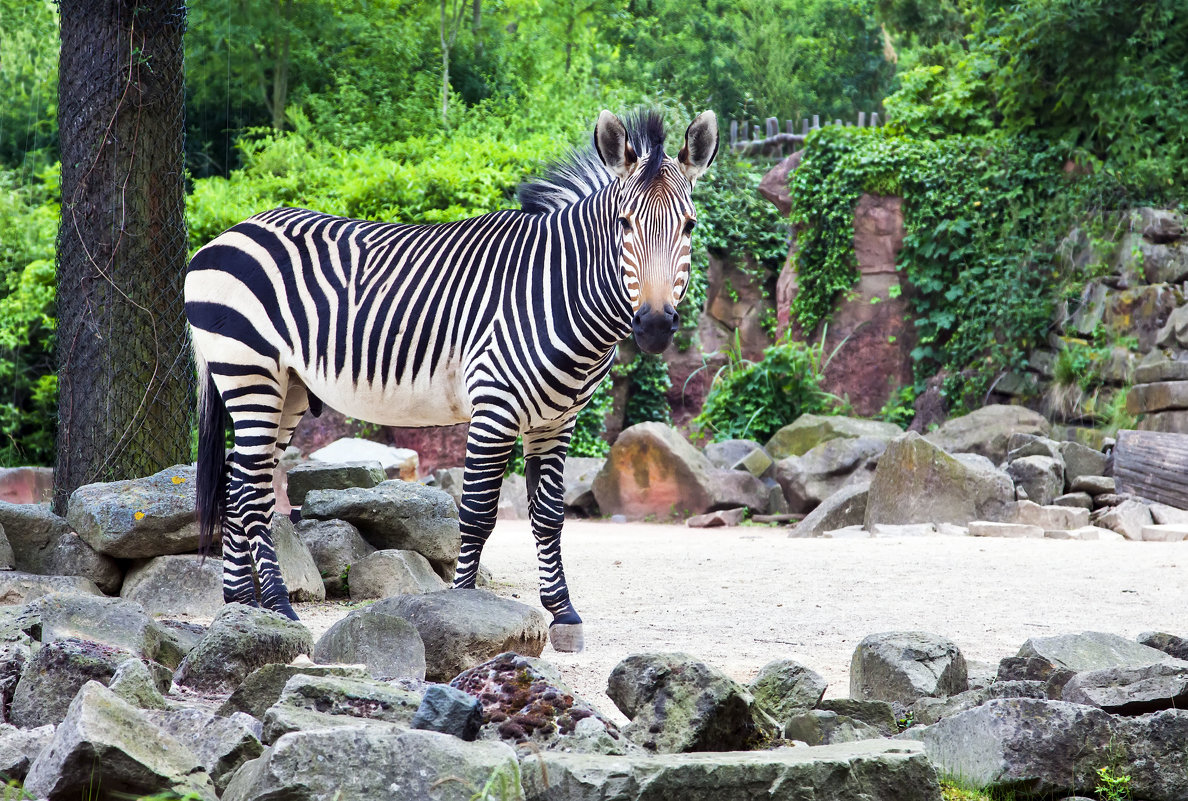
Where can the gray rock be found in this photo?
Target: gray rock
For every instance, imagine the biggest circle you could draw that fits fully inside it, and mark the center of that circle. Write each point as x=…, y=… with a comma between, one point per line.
x=513, y=498
x=449, y=481
x=19, y=747
x=1087, y=651
x=182, y=584
x=140, y=518
x=7, y=559
x=106, y=742
x=872, y=770
x=329, y=476
x=398, y=515
x=1131, y=690
x=362, y=763
x=1041, y=476
x=525, y=702
x=1127, y=518
x=1093, y=485
x=727, y=453
x=263, y=686
x=1030, y=745
x=297, y=566
x=810, y=478
x=319, y=702
x=1020, y=445
x=846, y=507
x=111, y=621
x=879, y=714
x=1153, y=754
x=783, y=686
x=17, y=588
x=735, y=488
x=69, y=555
x=1049, y=518
x=678, y=703
x=1165, y=515
x=239, y=640
x=221, y=744
x=580, y=472
x=810, y=430
x=916, y=482
x=986, y=528
x=718, y=519
x=335, y=546
x=463, y=628
x=903, y=666
x=450, y=711
x=186, y=634
x=31, y=529
x=1170, y=644
x=757, y=463
x=383, y=574
x=819, y=727
x=1159, y=226
x=387, y=644
x=133, y=682
x=14, y=655
x=927, y=711
x=987, y=431
x=55, y=673
x=1074, y=500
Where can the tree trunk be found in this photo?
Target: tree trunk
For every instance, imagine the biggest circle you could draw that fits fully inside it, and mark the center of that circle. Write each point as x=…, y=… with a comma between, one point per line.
x=476, y=27
x=126, y=382
x=280, y=72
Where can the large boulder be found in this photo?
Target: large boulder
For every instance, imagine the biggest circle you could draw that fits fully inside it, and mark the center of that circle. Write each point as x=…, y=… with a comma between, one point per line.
x=55, y=674
x=321, y=702
x=333, y=476
x=383, y=574
x=134, y=682
x=1131, y=690
x=653, y=472
x=263, y=686
x=463, y=628
x=678, y=703
x=784, y=686
x=821, y=727
x=387, y=644
x=810, y=430
x=17, y=588
x=1035, y=746
x=31, y=529
x=580, y=472
x=396, y=514
x=917, y=482
x=19, y=747
x=809, y=479
x=1081, y=460
x=116, y=622
x=70, y=555
x=363, y=762
x=180, y=584
x=239, y=640
x=874, y=770
x=1088, y=651
x=1040, y=477
x=904, y=666
x=297, y=566
x=140, y=518
x=846, y=507
x=525, y=703
x=987, y=431
x=335, y=546
x=107, y=743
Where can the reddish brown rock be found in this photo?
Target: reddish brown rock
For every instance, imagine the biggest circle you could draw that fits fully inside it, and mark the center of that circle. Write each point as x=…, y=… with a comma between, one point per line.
x=26, y=484
x=653, y=472
x=774, y=185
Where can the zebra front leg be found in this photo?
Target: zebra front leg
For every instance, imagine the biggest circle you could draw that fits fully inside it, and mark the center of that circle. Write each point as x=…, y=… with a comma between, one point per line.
x=489, y=443
x=544, y=470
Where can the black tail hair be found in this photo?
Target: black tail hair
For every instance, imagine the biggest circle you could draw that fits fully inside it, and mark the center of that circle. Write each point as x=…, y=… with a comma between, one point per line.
x=212, y=463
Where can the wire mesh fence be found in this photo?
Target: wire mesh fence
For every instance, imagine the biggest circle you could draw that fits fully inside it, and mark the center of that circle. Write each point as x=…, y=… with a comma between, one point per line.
x=126, y=382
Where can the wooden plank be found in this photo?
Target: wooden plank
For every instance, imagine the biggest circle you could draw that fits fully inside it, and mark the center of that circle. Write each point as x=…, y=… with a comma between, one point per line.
x=733, y=132
x=861, y=119
x=773, y=126
x=1153, y=465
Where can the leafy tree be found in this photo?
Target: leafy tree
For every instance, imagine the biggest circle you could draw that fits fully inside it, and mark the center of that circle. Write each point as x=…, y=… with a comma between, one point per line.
x=28, y=82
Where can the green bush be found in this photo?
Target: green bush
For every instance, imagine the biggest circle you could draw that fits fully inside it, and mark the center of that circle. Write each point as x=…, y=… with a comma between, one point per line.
x=753, y=400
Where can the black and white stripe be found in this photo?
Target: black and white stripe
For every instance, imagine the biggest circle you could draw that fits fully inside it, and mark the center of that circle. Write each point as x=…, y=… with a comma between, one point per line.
x=508, y=321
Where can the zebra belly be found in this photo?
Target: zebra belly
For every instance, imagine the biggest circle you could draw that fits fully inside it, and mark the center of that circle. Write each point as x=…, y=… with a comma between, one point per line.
x=437, y=400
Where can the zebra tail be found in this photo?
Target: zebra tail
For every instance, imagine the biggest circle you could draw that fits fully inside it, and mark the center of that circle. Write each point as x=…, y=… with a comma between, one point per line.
x=212, y=462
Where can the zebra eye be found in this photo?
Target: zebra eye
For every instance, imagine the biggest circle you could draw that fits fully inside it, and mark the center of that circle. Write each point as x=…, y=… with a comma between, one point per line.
x=625, y=224
x=689, y=224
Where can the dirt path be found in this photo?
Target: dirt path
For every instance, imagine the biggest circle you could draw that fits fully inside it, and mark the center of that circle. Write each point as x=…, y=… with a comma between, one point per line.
x=741, y=597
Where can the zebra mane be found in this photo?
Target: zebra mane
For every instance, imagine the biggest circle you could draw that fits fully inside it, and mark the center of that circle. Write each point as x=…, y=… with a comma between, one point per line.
x=580, y=173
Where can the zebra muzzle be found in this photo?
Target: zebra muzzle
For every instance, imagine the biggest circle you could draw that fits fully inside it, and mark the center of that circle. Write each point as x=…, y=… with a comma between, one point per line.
x=653, y=328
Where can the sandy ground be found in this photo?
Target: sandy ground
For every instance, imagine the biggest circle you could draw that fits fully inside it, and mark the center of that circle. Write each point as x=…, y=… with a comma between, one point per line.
x=740, y=597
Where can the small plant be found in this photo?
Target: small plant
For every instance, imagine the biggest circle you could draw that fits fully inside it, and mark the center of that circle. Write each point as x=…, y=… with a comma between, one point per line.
x=502, y=785
x=1112, y=786
x=345, y=580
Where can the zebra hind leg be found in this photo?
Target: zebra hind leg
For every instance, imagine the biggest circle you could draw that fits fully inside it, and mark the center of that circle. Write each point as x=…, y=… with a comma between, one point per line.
x=544, y=470
x=249, y=557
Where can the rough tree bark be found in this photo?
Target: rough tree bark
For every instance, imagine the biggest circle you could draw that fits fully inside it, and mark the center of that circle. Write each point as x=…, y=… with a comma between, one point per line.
x=125, y=379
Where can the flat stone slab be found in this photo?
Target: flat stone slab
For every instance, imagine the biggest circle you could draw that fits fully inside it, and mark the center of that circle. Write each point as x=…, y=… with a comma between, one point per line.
x=180, y=584
x=722, y=517
x=1171, y=532
x=327, y=475
x=1131, y=691
x=17, y=588
x=1049, y=518
x=988, y=528
x=1157, y=397
x=873, y=770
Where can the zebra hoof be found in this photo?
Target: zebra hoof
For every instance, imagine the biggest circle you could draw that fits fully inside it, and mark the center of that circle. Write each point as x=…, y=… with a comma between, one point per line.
x=567, y=637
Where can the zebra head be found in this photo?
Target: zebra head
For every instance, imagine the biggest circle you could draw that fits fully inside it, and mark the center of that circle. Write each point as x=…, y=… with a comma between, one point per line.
x=656, y=216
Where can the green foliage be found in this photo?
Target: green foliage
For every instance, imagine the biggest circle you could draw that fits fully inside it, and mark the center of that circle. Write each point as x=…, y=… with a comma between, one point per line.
x=28, y=84
x=753, y=400
x=590, y=426
x=647, y=390
x=1112, y=786
x=504, y=784
x=982, y=217
x=900, y=408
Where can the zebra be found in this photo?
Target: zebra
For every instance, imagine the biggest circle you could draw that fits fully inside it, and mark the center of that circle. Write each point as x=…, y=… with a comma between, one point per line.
x=507, y=321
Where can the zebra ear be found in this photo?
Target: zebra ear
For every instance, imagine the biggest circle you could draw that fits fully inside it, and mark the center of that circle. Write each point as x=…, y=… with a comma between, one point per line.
x=610, y=140
x=701, y=145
